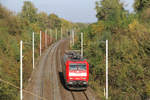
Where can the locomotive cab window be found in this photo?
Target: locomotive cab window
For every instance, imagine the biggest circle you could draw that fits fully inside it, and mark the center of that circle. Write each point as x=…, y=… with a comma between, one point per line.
x=82, y=67
x=72, y=67
x=77, y=67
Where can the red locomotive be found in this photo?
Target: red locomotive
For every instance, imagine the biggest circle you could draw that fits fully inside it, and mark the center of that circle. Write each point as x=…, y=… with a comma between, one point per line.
x=75, y=71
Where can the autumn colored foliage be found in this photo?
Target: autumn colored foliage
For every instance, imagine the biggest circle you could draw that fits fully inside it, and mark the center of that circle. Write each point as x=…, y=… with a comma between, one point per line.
x=129, y=50
x=20, y=26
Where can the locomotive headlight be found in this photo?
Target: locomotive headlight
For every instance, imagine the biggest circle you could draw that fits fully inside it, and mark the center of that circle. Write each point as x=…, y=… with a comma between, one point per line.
x=83, y=78
x=84, y=82
x=70, y=83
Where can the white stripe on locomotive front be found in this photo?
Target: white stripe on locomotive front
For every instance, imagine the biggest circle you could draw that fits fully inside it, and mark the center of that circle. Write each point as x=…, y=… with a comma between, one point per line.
x=77, y=74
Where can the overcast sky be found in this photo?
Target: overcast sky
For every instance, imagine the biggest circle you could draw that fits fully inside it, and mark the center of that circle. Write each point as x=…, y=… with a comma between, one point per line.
x=72, y=10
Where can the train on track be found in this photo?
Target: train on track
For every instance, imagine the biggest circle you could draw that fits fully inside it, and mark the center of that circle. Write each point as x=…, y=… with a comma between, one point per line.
x=75, y=71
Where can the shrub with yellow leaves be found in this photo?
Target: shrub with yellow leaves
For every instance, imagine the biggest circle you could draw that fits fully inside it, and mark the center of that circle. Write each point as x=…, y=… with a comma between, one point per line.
x=133, y=25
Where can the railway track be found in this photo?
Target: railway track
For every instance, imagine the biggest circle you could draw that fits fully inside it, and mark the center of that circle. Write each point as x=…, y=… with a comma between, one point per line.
x=74, y=95
x=86, y=96
x=42, y=82
x=71, y=95
x=47, y=81
x=56, y=91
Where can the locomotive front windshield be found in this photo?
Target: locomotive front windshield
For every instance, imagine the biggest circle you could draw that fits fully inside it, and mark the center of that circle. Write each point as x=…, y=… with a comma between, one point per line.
x=77, y=67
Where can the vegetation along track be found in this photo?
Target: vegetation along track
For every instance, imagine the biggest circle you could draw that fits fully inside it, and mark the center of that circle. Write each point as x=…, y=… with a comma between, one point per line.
x=47, y=79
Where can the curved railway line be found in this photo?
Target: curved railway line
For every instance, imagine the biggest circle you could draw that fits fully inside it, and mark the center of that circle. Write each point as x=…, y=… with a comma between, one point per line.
x=47, y=79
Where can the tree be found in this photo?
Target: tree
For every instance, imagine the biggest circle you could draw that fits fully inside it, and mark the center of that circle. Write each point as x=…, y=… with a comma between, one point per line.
x=106, y=8
x=140, y=5
x=54, y=21
x=29, y=12
x=43, y=20
x=66, y=24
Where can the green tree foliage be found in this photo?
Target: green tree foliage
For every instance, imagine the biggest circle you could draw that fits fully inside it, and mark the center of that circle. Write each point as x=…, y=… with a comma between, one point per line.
x=10, y=21
x=9, y=30
x=29, y=12
x=54, y=21
x=43, y=20
x=14, y=28
x=112, y=13
x=107, y=8
x=129, y=51
x=66, y=24
x=140, y=5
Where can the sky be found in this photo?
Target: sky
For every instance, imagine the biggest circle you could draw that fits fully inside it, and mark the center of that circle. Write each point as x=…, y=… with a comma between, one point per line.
x=72, y=10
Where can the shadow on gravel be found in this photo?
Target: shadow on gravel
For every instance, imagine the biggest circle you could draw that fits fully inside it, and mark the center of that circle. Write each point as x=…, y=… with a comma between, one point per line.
x=61, y=77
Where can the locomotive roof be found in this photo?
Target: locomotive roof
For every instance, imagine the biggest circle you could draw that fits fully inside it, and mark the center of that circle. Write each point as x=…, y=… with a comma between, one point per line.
x=72, y=56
